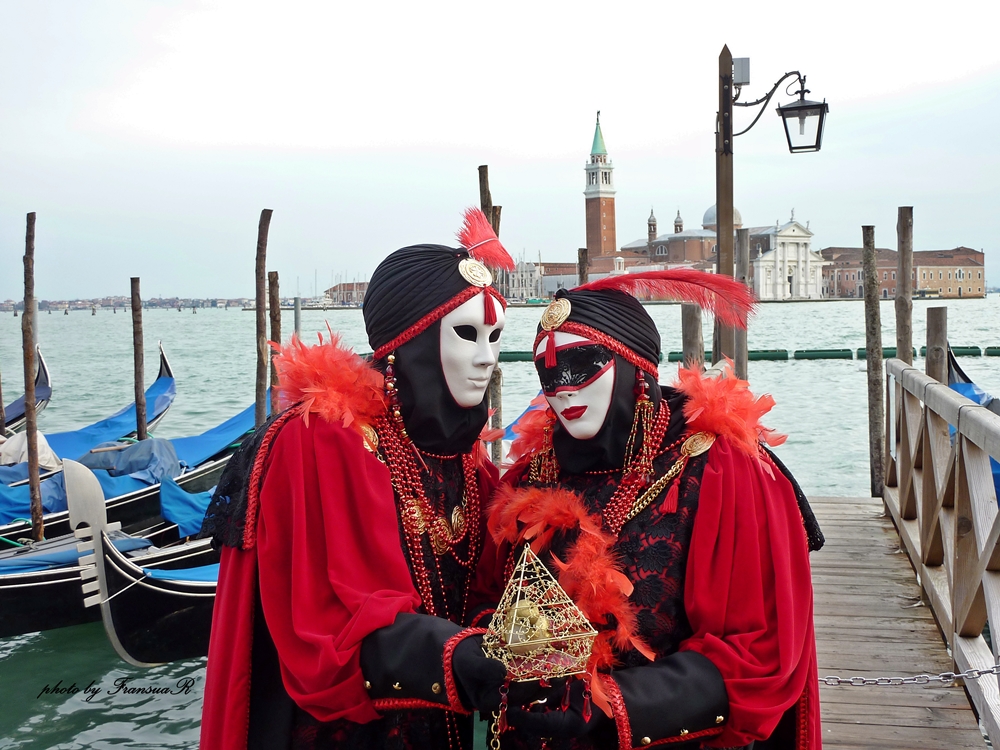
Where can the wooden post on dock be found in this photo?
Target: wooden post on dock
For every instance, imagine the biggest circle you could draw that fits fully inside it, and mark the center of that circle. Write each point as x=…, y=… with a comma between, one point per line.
x=904, y=285
x=274, y=303
x=692, y=338
x=496, y=379
x=873, y=352
x=260, y=394
x=936, y=364
x=582, y=266
x=139, y=375
x=298, y=317
x=743, y=276
x=28, y=345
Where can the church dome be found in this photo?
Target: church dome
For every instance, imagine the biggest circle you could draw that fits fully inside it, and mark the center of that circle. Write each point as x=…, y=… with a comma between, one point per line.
x=708, y=220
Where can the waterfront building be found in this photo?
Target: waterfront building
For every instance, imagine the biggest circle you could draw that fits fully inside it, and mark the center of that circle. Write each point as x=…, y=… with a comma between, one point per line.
x=783, y=264
x=350, y=293
x=955, y=273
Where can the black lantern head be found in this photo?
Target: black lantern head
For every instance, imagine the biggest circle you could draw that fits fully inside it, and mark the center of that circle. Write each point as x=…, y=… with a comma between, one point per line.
x=804, y=122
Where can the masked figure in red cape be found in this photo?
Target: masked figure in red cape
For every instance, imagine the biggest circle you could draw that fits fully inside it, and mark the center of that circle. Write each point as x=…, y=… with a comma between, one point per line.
x=680, y=537
x=351, y=525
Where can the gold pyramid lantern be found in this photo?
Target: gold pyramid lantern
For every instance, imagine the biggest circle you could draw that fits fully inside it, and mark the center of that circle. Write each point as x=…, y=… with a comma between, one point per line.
x=537, y=631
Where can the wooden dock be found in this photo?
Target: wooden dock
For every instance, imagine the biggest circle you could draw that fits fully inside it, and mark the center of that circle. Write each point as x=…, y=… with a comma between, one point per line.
x=870, y=621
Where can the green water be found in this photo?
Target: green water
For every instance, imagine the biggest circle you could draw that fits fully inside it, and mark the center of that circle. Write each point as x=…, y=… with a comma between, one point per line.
x=821, y=406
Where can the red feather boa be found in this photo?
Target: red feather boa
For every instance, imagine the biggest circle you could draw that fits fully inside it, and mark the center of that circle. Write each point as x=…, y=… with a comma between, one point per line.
x=725, y=406
x=329, y=380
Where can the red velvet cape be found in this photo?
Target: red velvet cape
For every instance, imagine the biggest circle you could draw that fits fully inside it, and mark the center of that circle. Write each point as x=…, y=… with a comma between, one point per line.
x=331, y=569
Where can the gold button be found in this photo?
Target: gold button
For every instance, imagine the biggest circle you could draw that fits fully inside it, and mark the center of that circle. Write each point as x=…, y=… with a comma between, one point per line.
x=719, y=719
x=368, y=685
x=436, y=688
x=396, y=686
x=645, y=741
x=683, y=732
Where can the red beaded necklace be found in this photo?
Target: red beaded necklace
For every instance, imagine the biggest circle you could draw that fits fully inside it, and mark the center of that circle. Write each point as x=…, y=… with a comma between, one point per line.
x=419, y=515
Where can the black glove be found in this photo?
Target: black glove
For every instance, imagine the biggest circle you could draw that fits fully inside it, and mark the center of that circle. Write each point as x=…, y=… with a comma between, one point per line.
x=549, y=720
x=477, y=677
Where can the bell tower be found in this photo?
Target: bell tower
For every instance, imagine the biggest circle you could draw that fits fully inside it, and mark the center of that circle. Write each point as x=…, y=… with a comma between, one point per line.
x=600, y=199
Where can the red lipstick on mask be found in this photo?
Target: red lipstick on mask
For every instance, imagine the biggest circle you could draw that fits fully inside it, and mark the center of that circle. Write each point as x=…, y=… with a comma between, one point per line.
x=573, y=412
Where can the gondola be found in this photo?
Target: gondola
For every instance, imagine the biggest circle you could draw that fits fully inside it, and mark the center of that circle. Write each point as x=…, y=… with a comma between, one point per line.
x=960, y=382
x=159, y=397
x=39, y=583
x=14, y=418
x=138, y=510
x=151, y=616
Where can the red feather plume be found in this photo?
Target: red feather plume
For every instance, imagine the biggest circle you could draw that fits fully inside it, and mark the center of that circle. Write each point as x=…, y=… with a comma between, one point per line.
x=477, y=236
x=727, y=299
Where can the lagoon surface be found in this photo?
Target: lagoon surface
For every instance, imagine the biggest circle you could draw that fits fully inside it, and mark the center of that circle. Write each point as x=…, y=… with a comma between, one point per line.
x=821, y=406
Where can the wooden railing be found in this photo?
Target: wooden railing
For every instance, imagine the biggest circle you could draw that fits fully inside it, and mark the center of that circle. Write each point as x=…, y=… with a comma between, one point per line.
x=939, y=492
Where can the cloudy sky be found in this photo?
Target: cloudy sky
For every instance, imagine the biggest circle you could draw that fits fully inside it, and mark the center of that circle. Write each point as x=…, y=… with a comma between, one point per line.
x=148, y=135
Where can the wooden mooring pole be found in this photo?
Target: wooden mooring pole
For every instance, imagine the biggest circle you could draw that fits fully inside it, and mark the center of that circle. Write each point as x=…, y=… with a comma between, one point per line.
x=742, y=275
x=873, y=352
x=298, y=317
x=260, y=394
x=904, y=285
x=495, y=387
x=137, y=356
x=582, y=266
x=28, y=346
x=274, y=303
x=692, y=338
x=936, y=364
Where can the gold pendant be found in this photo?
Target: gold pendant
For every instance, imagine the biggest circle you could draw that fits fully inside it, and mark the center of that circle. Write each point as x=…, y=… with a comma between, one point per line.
x=370, y=437
x=475, y=272
x=698, y=444
x=457, y=522
x=555, y=314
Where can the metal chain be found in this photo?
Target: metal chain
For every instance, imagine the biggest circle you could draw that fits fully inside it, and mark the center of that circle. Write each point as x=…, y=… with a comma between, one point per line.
x=945, y=678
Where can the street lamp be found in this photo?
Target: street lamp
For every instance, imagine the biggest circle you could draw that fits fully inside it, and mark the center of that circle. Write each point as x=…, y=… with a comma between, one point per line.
x=803, y=121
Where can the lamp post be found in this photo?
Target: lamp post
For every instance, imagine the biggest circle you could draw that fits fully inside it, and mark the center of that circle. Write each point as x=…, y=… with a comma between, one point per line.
x=803, y=121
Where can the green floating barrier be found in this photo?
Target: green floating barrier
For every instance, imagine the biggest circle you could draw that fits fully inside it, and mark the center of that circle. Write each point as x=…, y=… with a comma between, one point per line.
x=516, y=356
x=757, y=355
x=960, y=351
x=888, y=352
x=993, y=351
x=679, y=356
x=823, y=354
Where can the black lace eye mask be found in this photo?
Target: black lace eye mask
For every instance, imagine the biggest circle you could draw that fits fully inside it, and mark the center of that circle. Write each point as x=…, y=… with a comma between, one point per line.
x=576, y=367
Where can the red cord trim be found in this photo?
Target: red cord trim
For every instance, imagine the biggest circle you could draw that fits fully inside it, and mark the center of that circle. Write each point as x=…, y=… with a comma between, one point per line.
x=604, y=340
x=618, y=711
x=686, y=737
x=802, y=711
x=482, y=617
x=435, y=315
x=450, y=689
x=405, y=704
x=257, y=476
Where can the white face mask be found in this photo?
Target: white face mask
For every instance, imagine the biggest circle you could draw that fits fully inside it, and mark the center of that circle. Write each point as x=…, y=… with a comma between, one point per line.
x=581, y=409
x=469, y=350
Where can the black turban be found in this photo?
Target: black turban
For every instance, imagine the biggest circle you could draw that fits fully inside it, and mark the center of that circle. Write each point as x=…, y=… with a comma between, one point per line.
x=408, y=285
x=621, y=316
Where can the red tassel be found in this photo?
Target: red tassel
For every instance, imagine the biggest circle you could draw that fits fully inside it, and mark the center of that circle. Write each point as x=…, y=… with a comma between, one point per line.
x=489, y=309
x=670, y=503
x=550, y=349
